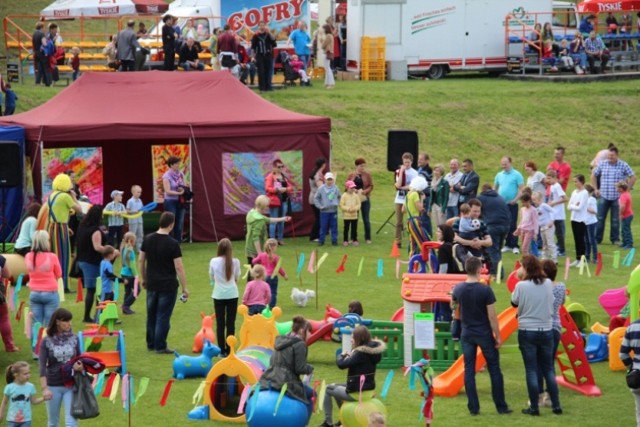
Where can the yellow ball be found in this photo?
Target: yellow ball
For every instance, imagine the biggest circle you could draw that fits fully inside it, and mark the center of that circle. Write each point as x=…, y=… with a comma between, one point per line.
x=355, y=414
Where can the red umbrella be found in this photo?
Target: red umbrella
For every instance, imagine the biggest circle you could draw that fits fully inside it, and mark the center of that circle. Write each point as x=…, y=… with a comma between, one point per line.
x=603, y=6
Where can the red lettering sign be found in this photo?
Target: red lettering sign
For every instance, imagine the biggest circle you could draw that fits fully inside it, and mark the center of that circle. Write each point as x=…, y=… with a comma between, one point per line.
x=109, y=10
x=282, y=11
x=61, y=13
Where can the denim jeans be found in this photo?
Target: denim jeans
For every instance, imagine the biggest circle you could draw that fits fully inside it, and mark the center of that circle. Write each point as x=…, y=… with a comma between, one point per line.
x=556, y=342
x=561, y=231
x=21, y=424
x=512, y=241
x=627, y=237
x=276, y=229
x=537, y=353
x=339, y=393
x=425, y=223
x=498, y=235
x=604, y=206
x=452, y=212
x=60, y=395
x=178, y=210
x=43, y=304
x=365, y=208
x=487, y=344
x=273, y=285
x=328, y=220
x=160, y=306
x=591, y=243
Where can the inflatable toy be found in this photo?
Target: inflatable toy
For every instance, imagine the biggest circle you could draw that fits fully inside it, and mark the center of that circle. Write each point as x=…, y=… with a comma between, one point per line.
x=190, y=367
x=264, y=411
x=204, y=333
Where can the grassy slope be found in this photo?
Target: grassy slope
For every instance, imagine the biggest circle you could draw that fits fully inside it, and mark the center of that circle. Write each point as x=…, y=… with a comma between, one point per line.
x=462, y=117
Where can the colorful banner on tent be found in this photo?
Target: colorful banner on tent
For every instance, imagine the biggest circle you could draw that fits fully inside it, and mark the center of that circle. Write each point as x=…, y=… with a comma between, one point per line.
x=243, y=178
x=159, y=156
x=84, y=162
x=243, y=16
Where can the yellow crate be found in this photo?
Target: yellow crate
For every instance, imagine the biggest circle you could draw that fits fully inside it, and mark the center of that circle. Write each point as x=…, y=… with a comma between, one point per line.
x=367, y=76
x=373, y=41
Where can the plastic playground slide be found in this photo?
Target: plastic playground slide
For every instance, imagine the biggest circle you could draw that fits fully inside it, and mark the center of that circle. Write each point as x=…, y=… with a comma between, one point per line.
x=321, y=332
x=450, y=382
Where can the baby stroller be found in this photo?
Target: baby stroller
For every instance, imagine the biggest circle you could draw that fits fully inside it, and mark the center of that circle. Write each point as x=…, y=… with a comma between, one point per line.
x=290, y=76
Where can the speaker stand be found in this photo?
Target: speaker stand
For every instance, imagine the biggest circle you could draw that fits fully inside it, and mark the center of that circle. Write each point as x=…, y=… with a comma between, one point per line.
x=388, y=221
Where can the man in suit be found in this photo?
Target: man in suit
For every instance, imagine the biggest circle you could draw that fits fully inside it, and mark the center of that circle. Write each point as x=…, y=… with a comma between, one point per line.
x=468, y=185
x=126, y=45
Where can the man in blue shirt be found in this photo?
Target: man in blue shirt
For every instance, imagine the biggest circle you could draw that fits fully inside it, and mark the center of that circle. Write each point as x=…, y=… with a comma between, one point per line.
x=595, y=49
x=586, y=25
x=610, y=172
x=508, y=183
x=301, y=39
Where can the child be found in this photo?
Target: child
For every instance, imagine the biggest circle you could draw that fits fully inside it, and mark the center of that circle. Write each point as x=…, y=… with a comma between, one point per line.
x=75, y=62
x=556, y=198
x=355, y=307
x=269, y=260
x=626, y=214
x=327, y=199
x=298, y=67
x=128, y=265
x=350, y=206
x=134, y=205
x=565, y=57
x=547, y=229
x=528, y=227
x=10, y=99
x=116, y=221
x=257, y=293
x=549, y=57
x=106, y=273
x=467, y=227
x=19, y=395
x=591, y=221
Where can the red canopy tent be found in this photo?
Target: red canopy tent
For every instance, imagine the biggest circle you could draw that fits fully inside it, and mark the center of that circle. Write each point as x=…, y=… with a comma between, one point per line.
x=604, y=6
x=126, y=113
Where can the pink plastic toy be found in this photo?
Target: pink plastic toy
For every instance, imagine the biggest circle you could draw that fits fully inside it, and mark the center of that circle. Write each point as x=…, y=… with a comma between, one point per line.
x=205, y=333
x=612, y=300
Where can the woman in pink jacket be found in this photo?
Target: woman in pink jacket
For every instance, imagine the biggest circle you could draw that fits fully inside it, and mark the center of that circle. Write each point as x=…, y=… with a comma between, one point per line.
x=44, y=272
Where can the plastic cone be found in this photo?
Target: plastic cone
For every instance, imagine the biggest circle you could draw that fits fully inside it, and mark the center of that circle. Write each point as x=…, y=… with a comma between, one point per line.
x=395, y=252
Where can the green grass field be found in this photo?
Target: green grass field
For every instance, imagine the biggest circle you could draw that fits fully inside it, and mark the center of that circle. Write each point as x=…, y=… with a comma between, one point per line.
x=471, y=116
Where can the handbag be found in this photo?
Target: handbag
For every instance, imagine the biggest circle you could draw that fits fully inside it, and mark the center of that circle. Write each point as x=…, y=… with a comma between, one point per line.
x=633, y=379
x=75, y=271
x=85, y=404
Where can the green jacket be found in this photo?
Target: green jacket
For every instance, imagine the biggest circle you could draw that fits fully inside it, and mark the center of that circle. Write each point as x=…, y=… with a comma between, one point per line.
x=288, y=362
x=256, y=231
x=440, y=195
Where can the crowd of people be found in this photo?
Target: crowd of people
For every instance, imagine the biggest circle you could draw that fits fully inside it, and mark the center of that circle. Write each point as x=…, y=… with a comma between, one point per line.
x=245, y=57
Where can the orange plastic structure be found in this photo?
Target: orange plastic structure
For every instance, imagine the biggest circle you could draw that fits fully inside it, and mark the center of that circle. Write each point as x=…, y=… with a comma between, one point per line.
x=615, y=342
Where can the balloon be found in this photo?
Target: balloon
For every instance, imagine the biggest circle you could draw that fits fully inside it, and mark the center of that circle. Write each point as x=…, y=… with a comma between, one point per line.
x=291, y=412
x=355, y=414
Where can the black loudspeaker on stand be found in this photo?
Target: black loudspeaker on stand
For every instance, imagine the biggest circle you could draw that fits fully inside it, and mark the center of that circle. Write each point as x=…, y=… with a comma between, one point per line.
x=10, y=176
x=398, y=143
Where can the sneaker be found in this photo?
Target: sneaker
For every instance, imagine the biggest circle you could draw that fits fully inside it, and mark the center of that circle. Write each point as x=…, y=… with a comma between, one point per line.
x=516, y=251
x=368, y=242
x=575, y=263
x=280, y=242
x=355, y=243
x=506, y=249
x=617, y=243
x=166, y=351
x=627, y=247
x=69, y=291
x=531, y=411
x=320, y=243
x=506, y=411
x=127, y=310
x=562, y=254
x=345, y=243
x=557, y=411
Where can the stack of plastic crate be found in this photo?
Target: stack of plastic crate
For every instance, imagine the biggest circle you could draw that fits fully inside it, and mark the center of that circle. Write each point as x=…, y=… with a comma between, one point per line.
x=372, y=58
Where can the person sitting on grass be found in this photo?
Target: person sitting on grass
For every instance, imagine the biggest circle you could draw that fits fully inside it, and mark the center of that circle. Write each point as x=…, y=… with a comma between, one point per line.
x=361, y=361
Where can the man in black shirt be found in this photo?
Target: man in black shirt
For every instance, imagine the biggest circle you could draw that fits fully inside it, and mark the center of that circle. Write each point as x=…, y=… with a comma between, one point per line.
x=262, y=45
x=169, y=43
x=41, y=65
x=159, y=264
x=189, y=56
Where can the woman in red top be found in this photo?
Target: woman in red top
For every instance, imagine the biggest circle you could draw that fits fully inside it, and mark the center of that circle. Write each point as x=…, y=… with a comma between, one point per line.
x=44, y=272
x=279, y=190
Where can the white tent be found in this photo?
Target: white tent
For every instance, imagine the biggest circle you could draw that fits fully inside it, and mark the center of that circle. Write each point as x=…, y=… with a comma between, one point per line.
x=76, y=8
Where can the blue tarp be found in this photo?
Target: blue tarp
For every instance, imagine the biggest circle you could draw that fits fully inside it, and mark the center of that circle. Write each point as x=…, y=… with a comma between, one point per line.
x=12, y=198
